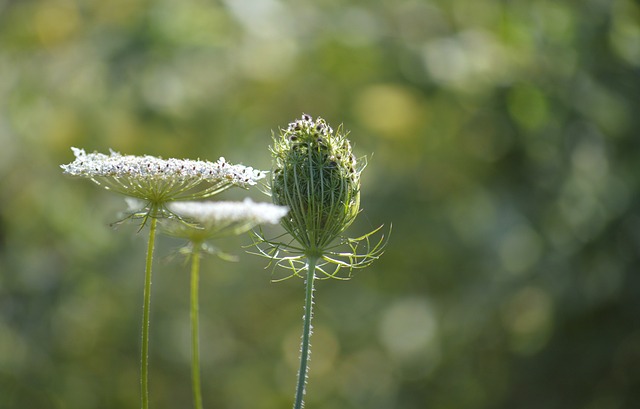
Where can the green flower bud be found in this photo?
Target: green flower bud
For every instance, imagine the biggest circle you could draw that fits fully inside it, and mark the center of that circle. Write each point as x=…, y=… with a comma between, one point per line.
x=317, y=176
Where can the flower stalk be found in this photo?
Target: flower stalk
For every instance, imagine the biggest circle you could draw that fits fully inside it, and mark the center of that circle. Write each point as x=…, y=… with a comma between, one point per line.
x=146, y=308
x=199, y=222
x=195, y=335
x=306, y=335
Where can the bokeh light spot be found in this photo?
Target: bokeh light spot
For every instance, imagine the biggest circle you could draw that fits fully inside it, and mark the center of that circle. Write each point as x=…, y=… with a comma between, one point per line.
x=625, y=35
x=520, y=248
x=409, y=328
x=528, y=107
x=528, y=316
x=391, y=110
x=56, y=21
x=468, y=60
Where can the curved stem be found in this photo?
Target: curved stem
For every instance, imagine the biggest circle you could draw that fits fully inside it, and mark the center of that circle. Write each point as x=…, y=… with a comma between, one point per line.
x=144, y=360
x=306, y=334
x=195, y=349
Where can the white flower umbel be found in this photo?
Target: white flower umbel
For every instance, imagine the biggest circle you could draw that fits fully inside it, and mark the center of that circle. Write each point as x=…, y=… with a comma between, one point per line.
x=155, y=182
x=218, y=219
x=202, y=221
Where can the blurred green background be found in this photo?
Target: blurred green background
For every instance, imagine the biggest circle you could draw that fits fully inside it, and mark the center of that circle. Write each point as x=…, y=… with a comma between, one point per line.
x=506, y=154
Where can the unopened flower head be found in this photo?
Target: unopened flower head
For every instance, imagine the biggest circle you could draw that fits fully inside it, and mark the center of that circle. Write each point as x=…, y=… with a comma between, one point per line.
x=201, y=221
x=317, y=176
x=157, y=181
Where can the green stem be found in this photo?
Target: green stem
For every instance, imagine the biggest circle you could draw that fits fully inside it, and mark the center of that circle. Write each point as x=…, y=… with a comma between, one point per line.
x=306, y=334
x=144, y=360
x=195, y=349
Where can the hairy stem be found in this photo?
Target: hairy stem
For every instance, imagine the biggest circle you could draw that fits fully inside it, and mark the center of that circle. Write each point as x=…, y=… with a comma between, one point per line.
x=195, y=348
x=144, y=360
x=306, y=334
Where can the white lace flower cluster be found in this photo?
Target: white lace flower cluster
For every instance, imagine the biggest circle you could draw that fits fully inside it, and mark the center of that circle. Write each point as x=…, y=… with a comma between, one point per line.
x=215, y=212
x=207, y=220
x=157, y=180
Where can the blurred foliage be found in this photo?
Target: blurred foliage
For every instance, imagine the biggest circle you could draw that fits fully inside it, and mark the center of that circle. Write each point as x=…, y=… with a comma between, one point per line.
x=507, y=156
